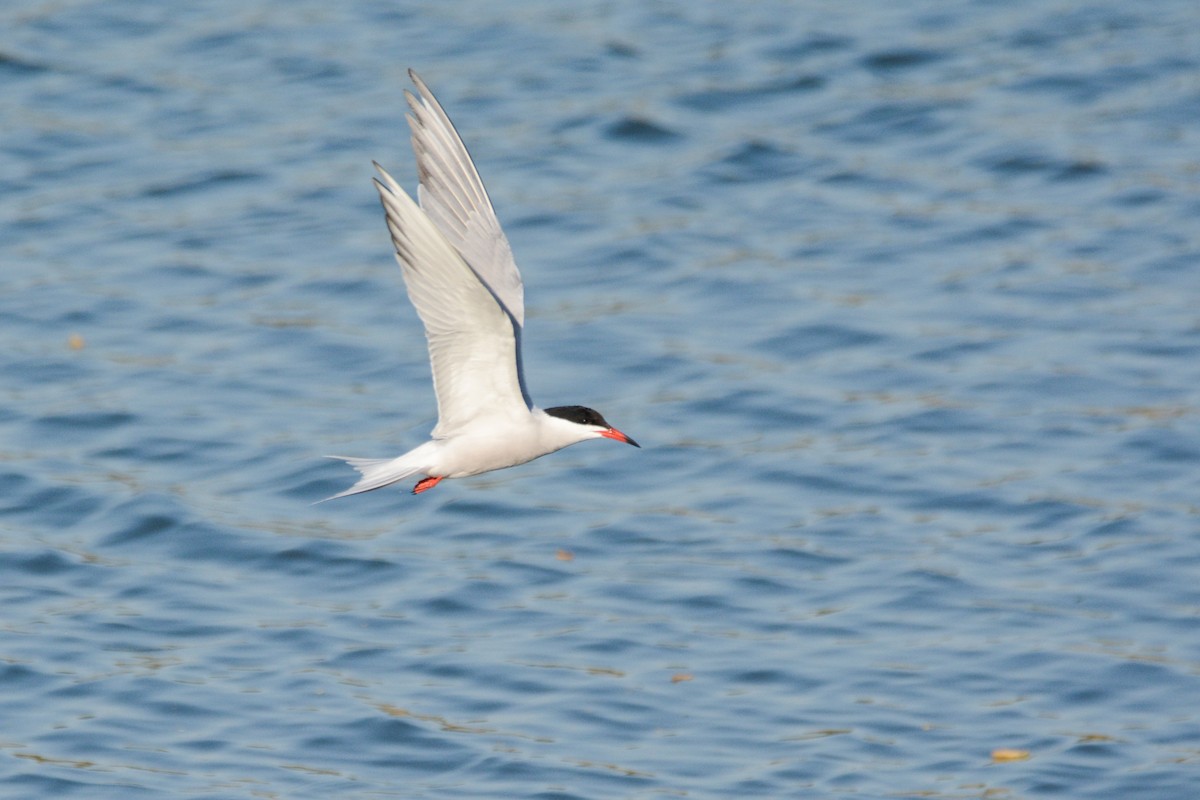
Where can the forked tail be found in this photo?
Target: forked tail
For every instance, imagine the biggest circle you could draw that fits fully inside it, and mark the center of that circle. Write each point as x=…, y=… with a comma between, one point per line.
x=376, y=473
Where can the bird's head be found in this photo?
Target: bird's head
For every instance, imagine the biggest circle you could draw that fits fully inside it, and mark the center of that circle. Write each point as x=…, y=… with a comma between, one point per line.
x=594, y=426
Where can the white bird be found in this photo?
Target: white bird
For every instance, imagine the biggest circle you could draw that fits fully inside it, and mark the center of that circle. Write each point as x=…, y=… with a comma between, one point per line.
x=462, y=280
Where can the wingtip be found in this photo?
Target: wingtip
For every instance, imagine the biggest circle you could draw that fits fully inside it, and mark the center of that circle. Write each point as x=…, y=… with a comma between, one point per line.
x=416, y=79
x=383, y=191
x=388, y=183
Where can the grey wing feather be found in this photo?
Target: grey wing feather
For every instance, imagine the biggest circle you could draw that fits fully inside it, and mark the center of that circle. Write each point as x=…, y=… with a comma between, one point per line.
x=473, y=342
x=454, y=197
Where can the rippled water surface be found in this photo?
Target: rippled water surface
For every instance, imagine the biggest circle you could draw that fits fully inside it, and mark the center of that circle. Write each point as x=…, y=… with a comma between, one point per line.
x=900, y=299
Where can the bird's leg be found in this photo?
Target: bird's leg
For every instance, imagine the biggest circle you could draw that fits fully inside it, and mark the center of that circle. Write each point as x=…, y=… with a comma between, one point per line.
x=425, y=484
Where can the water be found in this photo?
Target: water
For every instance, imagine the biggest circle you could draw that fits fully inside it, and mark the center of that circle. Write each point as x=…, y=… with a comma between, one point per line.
x=900, y=300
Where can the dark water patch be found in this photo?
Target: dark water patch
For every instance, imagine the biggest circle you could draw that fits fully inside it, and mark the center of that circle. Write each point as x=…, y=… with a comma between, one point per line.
x=804, y=560
x=1061, y=289
x=757, y=160
x=474, y=506
x=567, y=124
x=144, y=525
x=625, y=536
x=821, y=483
x=654, y=364
x=302, y=636
x=17, y=66
x=345, y=361
x=1014, y=227
x=345, y=287
x=869, y=181
x=1164, y=446
x=812, y=44
x=251, y=279
x=598, y=718
x=181, y=324
x=82, y=783
x=1086, y=88
x=1179, y=262
x=1075, y=23
x=442, y=668
x=805, y=341
x=1052, y=514
x=45, y=562
x=727, y=98
x=132, y=85
x=1119, y=529
x=617, y=264
x=363, y=659
x=1026, y=661
x=21, y=678
x=899, y=59
x=209, y=542
x=1167, y=350
x=610, y=646
x=707, y=603
x=155, y=631
x=640, y=131
x=973, y=502
x=11, y=485
x=942, y=422
x=204, y=747
x=1014, y=163
x=1078, y=89
x=329, y=561
x=923, y=588
x=1079, y=169
x=549, y=221
x=204, y=181
x=162, y=523
x=46, y=151
x=62, y=507
x=1137, y=198
x=755, y=409
x=752, y=585
x=957, y=351
x=310, y=68
x=523, y=574
x=1018, y=163
x=621, y=49
x=219, y=43
x=1093, y=750
x=165, y=449
x=83, y=422
x=314, y=483
x=447, y=606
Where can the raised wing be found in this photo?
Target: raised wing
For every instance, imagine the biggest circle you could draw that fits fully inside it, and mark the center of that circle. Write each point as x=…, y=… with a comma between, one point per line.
x=473, y=340
x=453, y=196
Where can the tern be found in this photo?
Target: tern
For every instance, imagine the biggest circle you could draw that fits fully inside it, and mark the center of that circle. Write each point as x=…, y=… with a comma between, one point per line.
x=464, y=284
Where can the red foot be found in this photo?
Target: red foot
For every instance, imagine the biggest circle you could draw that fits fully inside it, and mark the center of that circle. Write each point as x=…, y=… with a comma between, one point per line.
x=425, y=484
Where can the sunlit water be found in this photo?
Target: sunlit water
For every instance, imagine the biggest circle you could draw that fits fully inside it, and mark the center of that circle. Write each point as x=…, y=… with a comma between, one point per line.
x=901, y=301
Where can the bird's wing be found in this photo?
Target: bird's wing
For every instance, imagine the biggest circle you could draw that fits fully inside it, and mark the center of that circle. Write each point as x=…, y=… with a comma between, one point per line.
x=473, y=341
x=453, y=196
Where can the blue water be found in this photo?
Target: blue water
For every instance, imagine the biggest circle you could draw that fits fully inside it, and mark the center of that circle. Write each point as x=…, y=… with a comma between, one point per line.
x=900, y=299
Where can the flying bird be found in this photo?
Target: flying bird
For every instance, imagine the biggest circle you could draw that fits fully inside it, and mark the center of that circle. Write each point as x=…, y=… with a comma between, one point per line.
x=462, y=280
